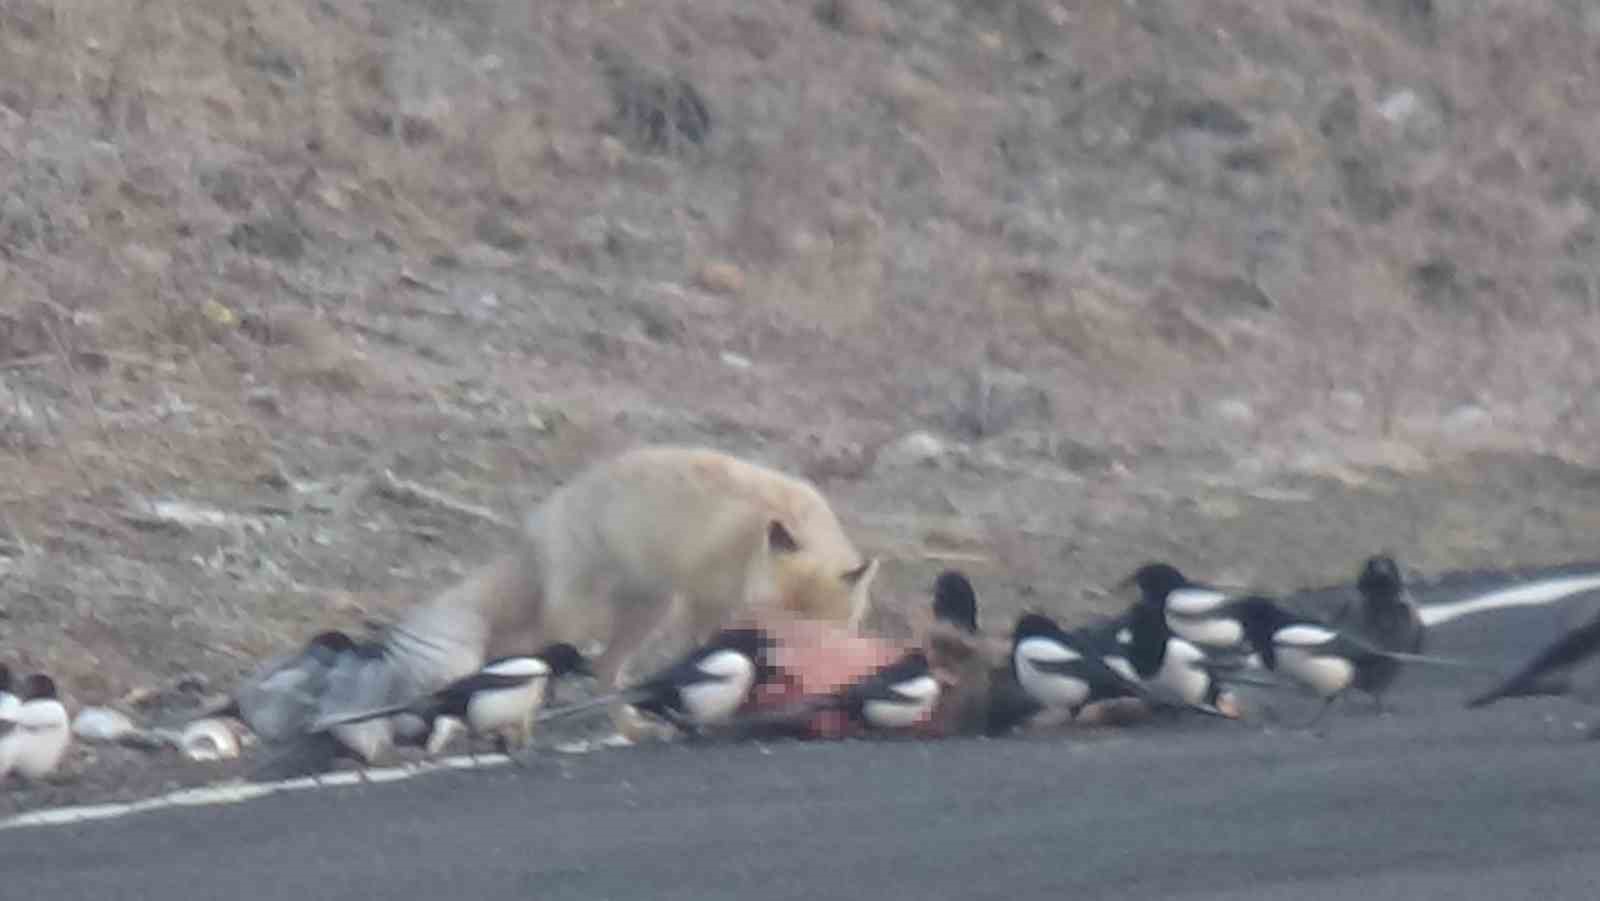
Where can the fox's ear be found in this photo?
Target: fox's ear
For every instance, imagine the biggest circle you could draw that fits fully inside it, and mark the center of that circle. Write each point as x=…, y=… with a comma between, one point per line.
x=779, y=539
x=855, y=575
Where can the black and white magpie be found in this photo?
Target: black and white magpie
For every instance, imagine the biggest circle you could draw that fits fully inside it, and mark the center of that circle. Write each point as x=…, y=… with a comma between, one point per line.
x=35, y=735
x=705, y=688
x=1386, y=617
x=897, y=696
x=1172, y=669
x=1201, y=614
x=1063, y=670
x=499, y=700
x=954, y=600
x=1550, y=671
x=1314, y=654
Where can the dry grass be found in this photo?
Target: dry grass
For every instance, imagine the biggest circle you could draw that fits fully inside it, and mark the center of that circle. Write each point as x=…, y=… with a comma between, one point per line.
x=253, y=249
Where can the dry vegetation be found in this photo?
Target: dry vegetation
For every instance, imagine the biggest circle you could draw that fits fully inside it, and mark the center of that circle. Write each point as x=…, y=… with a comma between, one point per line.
x=1255, y=286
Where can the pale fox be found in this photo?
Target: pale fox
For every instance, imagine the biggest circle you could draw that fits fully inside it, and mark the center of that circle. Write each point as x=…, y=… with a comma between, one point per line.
x=657, y=537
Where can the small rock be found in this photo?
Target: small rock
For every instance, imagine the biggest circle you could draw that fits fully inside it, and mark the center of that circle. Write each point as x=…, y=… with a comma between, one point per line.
x=1349, y=401
x=729, y=358
x=102, y=724
x=721, y=278
x=1235, y=411
x=915, y=449
x=209, y=739
x=1466, y=418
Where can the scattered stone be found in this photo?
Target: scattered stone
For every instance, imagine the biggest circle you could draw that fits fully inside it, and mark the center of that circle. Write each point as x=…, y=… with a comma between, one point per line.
x=915, y=449
x=721, y=278
x=1466, y=418
x=209, y=739
x=102, y=724
x=736, y=361
x=1236, y=411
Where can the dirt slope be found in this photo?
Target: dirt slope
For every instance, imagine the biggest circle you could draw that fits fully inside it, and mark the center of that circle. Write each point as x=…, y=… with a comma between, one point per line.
x=1259, y=288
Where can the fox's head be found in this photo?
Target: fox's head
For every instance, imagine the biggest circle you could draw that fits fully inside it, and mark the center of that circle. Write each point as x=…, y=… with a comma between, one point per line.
x=818, y=579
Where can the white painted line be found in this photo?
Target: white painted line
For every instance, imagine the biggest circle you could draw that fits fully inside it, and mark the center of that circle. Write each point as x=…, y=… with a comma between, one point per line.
x=246, y=791
x=1527, y=594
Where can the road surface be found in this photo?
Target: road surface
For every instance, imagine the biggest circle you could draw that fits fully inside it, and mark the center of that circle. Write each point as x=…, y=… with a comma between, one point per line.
x=1433, y=801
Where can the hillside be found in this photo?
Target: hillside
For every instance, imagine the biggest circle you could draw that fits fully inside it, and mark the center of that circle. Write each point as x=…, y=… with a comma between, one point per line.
x=302, y=302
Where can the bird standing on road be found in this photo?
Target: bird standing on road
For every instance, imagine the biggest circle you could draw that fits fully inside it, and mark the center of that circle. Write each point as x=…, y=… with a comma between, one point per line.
x=1061, y=670
x=499, y=700
x=36, y=736
x=895, y=697
x=1386, y=617
x=1315, y=655
x=1172, y=669
x=704, y=688
x=1202, y=615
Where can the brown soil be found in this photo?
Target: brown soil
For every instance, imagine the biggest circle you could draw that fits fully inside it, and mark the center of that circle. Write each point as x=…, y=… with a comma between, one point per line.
x=1257, y=288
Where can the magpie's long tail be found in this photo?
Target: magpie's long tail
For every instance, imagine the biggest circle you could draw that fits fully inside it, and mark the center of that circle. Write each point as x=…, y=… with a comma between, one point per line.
x=1521, y=685
x=628, y=695
x=1438, y=661
x=360, y=716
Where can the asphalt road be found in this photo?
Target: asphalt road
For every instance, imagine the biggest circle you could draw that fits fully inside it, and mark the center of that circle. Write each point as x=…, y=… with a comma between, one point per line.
x=1432, y=801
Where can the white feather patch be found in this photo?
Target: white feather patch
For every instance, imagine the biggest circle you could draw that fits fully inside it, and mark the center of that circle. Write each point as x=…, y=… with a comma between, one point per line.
x=1303, y=635
x=519, y=666
x=1192, y=601
x=726, y=664
x=1214, y=631
x=1323, y=674
x=1046, y=649
x=899, y=714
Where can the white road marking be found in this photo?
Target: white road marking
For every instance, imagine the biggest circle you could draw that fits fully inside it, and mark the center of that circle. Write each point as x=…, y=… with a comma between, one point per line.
x=246, y=791
x=1527, y=594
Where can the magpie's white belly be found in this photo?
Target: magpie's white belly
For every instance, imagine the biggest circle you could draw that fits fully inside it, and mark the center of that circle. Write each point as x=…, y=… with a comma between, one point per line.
x=1051, y=689
x=488, y=711
x=1181, y=677
x=1325, y=675
x=1212, y=631
x=922, y=693
x=713, y=702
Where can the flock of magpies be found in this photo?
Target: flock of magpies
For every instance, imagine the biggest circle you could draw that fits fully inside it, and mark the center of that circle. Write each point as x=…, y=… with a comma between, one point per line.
x=1177, y=648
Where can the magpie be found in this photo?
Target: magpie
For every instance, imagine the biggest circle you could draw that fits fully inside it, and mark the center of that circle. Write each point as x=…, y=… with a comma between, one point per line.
x=893, y=697
x=499, y=700
x=1550, y=671
x=1314, y=654
x=955, y=602
x=1171, y=668
x=1064, y=670
x=1386, y=617
x=704, y=688
x=1203, y=615
x=36, y=734
x=979, y=693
